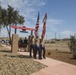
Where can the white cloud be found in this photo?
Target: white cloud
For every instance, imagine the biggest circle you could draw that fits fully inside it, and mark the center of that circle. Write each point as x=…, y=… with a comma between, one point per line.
x=67, y=33
x=54, y=21
x=42, y=3
x=27, y=8
x=4, y=32
x=53, y=29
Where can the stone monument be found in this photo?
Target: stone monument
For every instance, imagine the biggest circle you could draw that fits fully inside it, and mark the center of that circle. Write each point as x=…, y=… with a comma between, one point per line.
x=14, y=46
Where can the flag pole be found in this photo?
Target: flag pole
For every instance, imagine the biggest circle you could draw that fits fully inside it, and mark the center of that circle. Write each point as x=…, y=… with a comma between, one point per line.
x=44, y=28
x=44, y=25
x=37, y=25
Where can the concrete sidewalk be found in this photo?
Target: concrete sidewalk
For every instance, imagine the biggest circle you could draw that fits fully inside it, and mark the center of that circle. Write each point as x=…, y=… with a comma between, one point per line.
x=55, y=67
x=6, y=46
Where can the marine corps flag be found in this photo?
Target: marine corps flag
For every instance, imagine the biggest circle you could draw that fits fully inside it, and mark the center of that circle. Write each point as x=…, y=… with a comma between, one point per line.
x=44, y=25
x=37, y=26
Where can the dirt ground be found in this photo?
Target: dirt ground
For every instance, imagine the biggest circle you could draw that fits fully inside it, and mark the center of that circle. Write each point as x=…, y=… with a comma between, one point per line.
x=60, y=52
x=15, y=64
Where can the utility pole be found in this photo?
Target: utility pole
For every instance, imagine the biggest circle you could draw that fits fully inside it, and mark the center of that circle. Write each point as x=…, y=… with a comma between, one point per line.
x=0, y=26
x=55, y=35
x=0, y=30
x=46, y=37
x=59, y=37
x=31, y=32
x=0, y=3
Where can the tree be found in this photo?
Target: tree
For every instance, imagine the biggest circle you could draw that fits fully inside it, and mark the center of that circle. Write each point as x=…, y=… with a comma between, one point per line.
x=5, y=22
x=0, y=15
x=0, y=18
x=17, y=19
x=72, y=45
x=11, y=17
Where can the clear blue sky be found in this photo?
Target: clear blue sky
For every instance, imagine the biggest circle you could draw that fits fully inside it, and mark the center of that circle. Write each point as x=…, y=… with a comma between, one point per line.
x=61, y=16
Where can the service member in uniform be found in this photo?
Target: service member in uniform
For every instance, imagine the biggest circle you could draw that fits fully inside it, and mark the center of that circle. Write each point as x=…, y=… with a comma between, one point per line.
x=42, y=47
x=32, y=46
x=37, y=47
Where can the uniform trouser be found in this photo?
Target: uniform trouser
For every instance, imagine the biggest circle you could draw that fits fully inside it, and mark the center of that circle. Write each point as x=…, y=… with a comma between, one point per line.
x=42, y=48
x=40, y=52
x=32, y=47
x=37, y=49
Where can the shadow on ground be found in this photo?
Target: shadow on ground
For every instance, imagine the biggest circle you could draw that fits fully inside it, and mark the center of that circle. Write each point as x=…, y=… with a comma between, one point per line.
x=13, y=55
x=66, y=52
x=72, y=58
x=8, y=51
x=17, y=56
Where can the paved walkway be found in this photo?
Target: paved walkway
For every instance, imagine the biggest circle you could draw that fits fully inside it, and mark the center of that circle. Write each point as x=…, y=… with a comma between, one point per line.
x=6, y=46
x=55, y=67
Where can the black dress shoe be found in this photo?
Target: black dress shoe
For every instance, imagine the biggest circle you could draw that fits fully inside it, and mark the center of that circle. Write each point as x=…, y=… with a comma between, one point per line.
x=40, y=58
x=44, y=57
x=24, y=50
x=35, y=58
x=30, y=56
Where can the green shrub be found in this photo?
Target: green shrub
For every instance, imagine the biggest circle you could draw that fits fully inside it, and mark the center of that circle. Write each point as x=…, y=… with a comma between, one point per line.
x=72, y=45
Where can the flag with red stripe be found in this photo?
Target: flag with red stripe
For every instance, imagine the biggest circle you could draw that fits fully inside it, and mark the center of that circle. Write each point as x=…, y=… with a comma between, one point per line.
x=44, y=25
x=37, y=26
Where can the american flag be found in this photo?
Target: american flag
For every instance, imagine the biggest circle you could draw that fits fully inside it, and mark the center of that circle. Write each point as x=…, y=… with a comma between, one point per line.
x=44, y=25
x=37, y=26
